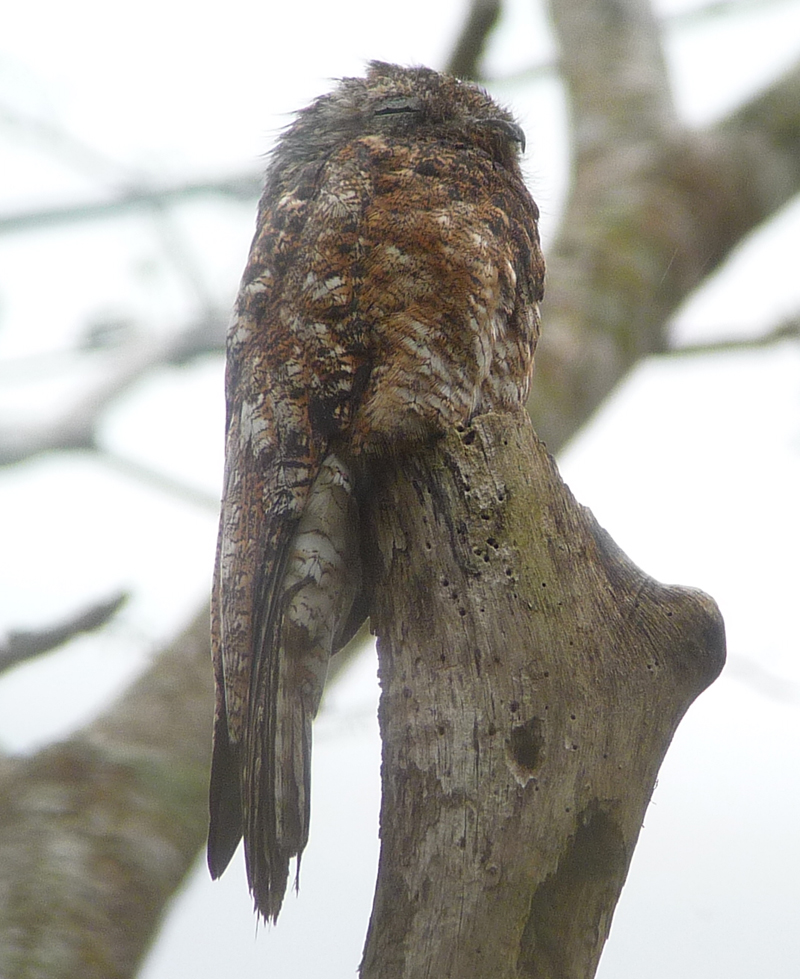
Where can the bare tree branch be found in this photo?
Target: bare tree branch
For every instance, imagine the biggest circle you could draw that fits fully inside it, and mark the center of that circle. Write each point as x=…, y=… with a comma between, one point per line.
x=676, y=19
x=607, y=258
x=76, y=424
x=653, y=208
x=465, y=60
x=21, y=646
x=61, y=144
x=789, y=330
x=240, y=187
x=174, y=487
x=757, y=150
x=65, y=147
x=97, y=832
x=718, y=9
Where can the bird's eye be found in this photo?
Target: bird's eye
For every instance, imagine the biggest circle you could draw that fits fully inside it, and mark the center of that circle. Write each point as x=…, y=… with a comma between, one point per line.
x=517, y=134
x=395, y=106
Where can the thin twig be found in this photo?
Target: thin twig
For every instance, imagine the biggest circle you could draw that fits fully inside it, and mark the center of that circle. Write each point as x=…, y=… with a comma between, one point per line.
x=161, y=481
x=22, y=646
x=125, y=180
x=76, y=424
x=240, y=187
x=788, y=330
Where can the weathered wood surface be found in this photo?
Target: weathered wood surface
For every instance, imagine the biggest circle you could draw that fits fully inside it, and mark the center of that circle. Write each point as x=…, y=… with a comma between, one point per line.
x=532, y=679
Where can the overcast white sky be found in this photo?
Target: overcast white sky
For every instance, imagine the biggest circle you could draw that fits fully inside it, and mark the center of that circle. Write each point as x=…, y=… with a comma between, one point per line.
x=693, y=466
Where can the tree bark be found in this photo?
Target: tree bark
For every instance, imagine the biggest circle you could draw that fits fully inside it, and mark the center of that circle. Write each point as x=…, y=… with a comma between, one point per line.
x=532, y=679
x=97, y=832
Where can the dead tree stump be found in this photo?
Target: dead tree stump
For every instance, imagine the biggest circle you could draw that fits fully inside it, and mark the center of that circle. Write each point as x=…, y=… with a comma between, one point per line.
x=532, y=679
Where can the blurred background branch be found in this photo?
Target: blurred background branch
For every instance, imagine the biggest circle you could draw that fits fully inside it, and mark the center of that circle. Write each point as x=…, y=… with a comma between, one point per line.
x=24, y=645
x=239, y=187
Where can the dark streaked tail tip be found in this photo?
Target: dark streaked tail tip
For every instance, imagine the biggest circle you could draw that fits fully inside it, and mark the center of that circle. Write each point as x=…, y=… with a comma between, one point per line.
x=267, y=882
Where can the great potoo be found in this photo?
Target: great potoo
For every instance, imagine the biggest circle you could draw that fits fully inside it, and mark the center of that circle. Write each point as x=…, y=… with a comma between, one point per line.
x=391, y=293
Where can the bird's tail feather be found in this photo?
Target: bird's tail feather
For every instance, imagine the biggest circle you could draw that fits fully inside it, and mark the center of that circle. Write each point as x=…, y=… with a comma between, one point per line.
x=322, y=577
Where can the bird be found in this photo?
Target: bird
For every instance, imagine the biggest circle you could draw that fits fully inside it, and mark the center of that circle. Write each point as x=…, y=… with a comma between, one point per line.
x=391, y=294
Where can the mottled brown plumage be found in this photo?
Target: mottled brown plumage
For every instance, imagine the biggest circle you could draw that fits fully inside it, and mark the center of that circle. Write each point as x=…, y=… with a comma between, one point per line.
x=391, y=293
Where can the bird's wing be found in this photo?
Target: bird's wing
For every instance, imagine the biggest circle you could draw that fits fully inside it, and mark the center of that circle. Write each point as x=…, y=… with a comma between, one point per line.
x=271, y=462
x=287, y=566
